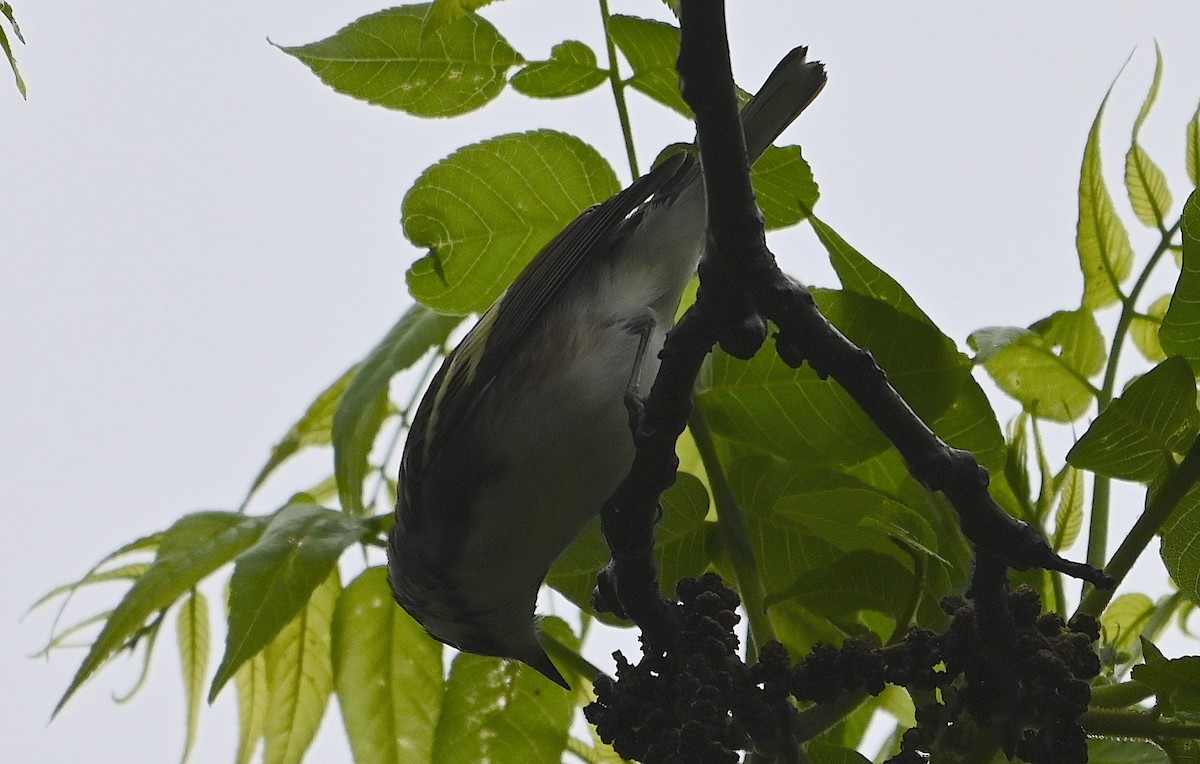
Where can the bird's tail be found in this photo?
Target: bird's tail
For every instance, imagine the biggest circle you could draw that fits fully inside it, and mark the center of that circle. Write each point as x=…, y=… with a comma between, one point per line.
x=789, y=89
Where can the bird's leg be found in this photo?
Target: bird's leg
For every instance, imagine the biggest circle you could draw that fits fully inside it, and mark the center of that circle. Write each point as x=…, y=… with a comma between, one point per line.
x=643, y=326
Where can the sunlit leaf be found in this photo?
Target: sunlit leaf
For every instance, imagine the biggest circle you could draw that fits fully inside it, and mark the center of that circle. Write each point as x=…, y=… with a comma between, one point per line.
x=571, y=70
x=1146, y=183
x=1180, y=332
x=1076, y=337
x=1135, y=437
x=1105, y=255
x=313, y=428
x=1144, y=331
x=251, y=683
x=1193, y=148
x=7, y=11
x=488, y=208
x=362, y=408
x=192, y=630
x=172, y=575
x=784, y=186
x=274, y=579
x=442, y=12
x=121, y=573
x=1068, y=518
x=299, y=671
x=1046, y=369
x=1122, y=621
x=502, y=712
x=651, y=48
x=383, y=58
x=858, y=274
x=387, y=672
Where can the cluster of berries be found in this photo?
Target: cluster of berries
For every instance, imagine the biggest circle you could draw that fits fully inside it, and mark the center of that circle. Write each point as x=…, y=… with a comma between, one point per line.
x=1018, y=673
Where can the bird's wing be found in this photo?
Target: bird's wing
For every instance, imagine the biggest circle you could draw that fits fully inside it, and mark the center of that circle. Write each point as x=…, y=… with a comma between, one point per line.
x=477, y=360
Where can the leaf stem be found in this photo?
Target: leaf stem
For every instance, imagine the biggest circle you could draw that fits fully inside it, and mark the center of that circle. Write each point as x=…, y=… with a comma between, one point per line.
x=618, y=88
x=1097, y=549
x=1136, y=724
x=735, y=540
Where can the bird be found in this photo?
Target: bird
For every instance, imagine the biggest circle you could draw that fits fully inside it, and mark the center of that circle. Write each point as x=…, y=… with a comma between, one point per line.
x=524, y=431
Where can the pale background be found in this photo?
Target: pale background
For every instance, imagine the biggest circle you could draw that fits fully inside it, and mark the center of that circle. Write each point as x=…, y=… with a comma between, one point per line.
x=196, y=236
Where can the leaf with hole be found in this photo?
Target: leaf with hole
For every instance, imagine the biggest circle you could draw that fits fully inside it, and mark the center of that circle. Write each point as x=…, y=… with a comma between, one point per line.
x=570, y=70
x=488, y=208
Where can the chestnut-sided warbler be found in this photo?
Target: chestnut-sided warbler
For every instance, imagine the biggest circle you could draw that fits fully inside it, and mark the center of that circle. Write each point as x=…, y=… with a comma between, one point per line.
x=523, y=433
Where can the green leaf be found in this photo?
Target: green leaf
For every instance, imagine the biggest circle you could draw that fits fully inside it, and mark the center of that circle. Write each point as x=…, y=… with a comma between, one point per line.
x=1135, y=437
x=1076, y=336
x=7, y=10
x=858, y=274
x=1180, y=332
x=174, y=573
x=299, y=672
x=193, y=633
x=990, y=340
x=796, y=415
x=1047, y=369
x=852, y=519
x=1102, y=751
x=251, y=683
x=487, y=209
x=1176, y=682
x=571, y=70
x=825, y=753
x=502, y=712
x=651, y=48
x=1144, y=331
x=679, y=547
x=1105, y=255
x=384, y=59
x=1181, y=750
x=314, y=428
x=442, y=12
x=1180, y=537
x=128, y=572
x=970, y=424
x=680, y=537
x=1123, y=620
x=858, y=580
x=274, y=579
x=388, y=674
x=1147, y=186
x=1068, y=518
x=784, y=185
x=1193, y=148
x=362, y=408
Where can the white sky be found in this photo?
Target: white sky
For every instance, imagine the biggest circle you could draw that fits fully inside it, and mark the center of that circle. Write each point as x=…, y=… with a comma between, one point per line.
x=196, y=236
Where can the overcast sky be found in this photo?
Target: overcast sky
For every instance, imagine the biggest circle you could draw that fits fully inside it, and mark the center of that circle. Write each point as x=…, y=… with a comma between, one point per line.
x=196, y=236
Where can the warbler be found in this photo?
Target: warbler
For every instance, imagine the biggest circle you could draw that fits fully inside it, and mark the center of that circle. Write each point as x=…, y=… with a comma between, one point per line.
x=523, y=432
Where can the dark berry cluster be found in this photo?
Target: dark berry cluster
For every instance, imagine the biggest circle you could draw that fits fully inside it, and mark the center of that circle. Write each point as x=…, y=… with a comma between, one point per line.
x=696, y=703
x=1024, y=676
x=1007, y=668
